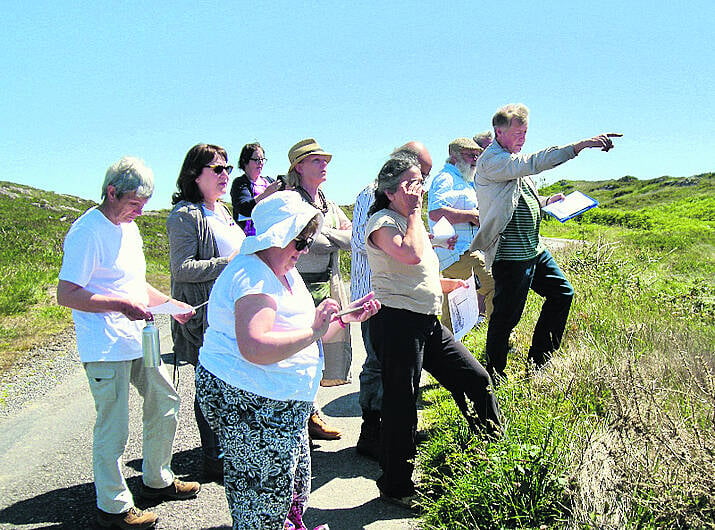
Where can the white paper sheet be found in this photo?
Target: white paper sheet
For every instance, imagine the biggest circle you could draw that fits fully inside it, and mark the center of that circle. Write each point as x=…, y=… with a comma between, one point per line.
x=463, y=308
x=167, y=308
x=442, y=231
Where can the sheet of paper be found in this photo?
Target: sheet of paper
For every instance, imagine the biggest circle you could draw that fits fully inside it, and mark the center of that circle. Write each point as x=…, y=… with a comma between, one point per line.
x=463, y=308
x=167, y=308
x=442, y=231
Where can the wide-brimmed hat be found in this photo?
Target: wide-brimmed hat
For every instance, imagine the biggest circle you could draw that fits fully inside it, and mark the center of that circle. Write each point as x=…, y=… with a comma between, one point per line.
x=305, y=148
x=278, y=220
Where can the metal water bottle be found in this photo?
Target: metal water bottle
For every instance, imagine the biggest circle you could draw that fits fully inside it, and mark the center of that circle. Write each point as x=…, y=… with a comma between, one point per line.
x=150, y=344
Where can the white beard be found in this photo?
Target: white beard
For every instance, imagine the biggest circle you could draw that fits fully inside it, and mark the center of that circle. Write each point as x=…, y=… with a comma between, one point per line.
x=468, y=172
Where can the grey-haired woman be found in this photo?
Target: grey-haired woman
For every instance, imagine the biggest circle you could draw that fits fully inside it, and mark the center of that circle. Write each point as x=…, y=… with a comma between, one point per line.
x=406, y=334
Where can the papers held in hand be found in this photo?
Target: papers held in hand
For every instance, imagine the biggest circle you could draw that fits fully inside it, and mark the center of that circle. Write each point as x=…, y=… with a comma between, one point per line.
x=442, y=231
x=574, y=204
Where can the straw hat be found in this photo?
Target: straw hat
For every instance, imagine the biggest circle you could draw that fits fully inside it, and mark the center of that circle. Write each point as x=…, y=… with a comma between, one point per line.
x=305, y=148
x=278, y=219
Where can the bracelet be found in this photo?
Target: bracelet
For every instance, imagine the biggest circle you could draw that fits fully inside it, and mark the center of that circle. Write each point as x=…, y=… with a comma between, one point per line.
x=342, y=323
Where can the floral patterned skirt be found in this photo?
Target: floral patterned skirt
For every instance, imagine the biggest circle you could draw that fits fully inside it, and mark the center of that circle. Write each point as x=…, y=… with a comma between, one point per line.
x=266, y=451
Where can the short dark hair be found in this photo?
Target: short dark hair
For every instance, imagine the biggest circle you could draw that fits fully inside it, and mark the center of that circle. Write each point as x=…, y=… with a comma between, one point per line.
x=247, y=153
x=198, y=157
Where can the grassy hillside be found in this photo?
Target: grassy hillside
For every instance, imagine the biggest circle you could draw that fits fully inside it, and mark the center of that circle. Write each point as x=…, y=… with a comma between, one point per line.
x=618, y=431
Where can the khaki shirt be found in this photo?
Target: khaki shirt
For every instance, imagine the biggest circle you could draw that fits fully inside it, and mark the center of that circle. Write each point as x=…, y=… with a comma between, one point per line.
x=417, y=287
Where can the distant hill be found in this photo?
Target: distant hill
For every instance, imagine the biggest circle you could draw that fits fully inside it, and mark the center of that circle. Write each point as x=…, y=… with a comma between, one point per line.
x=631, y=193
x=656, y=203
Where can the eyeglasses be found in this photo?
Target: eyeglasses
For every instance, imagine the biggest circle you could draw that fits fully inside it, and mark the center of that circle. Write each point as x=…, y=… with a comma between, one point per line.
x=218, y=169
x=264, y=160
x=302, y=244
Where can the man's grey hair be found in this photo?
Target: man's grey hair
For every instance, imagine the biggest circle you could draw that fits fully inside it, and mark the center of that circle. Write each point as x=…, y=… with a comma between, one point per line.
x=129, y=174
x=483, y=139
x=509, y=113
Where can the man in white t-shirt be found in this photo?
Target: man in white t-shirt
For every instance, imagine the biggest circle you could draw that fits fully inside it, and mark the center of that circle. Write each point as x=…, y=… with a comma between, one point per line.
x=103, y=281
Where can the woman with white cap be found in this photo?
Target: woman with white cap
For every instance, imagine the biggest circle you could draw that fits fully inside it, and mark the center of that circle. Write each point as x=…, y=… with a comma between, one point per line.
x=258, y=374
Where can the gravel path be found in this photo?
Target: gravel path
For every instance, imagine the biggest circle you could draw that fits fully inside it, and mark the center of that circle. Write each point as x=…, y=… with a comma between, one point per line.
x=46, y=418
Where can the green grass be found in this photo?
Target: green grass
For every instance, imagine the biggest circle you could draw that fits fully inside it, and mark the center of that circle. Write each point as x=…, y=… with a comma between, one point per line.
x=619, y=429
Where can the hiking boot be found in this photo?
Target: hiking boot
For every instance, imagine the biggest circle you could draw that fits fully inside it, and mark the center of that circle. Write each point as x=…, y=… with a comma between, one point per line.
x=132, y=518
x=319, y=430
x=368, y=443
x=176, y=491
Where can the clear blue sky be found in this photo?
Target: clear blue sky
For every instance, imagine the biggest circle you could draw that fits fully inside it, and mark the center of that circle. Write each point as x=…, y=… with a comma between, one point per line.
x=85, y=83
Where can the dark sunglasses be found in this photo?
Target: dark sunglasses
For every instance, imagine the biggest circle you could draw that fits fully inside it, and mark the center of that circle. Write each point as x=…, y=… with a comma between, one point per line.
x=301, y=244
x=218, y=169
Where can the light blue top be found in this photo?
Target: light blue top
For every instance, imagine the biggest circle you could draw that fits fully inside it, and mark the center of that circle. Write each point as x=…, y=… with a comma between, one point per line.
x=448, y=188
x=360, y=272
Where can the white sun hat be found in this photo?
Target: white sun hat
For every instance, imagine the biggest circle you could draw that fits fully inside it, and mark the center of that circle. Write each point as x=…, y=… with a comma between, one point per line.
x=278, y=219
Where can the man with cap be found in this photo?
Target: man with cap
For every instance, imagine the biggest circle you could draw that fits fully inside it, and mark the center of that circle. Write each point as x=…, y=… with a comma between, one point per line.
x=452, y=196
x=103, y=280
x=509, y=236
x=320, y=267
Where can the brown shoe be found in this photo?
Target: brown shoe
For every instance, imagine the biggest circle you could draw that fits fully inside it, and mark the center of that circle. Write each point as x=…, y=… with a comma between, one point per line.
x=176, y=491
x=319, y=430
x=132, y=518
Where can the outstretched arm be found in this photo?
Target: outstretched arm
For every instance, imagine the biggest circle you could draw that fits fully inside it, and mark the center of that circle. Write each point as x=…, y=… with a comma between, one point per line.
x=602, y=141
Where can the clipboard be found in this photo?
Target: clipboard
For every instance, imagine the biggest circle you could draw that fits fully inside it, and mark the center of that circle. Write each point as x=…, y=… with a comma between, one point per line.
x=572, y=206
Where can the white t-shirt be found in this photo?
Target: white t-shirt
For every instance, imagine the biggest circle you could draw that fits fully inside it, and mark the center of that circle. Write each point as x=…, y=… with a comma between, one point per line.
x=106, y=259
x=227, y=233
x=294, y=378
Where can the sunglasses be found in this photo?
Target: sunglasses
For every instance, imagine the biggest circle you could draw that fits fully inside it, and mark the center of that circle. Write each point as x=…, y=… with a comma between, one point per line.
x=302, y=244
x=259, y=160
x=218, y=169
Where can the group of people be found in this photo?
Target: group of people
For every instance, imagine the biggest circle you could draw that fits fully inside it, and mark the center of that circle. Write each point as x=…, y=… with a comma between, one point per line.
x=276, y=324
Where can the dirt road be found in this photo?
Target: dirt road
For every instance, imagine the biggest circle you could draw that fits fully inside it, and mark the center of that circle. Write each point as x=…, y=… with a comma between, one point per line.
x=46, y=422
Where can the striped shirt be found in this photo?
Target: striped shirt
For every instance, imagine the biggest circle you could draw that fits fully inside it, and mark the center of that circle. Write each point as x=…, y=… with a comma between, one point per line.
x=520, y=240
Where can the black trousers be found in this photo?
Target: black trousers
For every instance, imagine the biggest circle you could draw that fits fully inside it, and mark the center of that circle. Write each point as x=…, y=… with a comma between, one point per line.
x=406, y=342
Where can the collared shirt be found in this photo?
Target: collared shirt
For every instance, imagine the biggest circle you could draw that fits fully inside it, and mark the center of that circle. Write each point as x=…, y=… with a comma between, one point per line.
x=449, y=189
x=360, y=283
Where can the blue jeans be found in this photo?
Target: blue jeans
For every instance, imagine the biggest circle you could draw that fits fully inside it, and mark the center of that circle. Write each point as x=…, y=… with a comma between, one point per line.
x=512, y=281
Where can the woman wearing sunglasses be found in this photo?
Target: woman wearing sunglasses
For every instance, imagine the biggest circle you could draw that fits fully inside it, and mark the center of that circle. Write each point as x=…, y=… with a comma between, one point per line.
x=250, y=187
x=202, y=240
x=259, y=368
x=320, y=268
x=407, y=334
